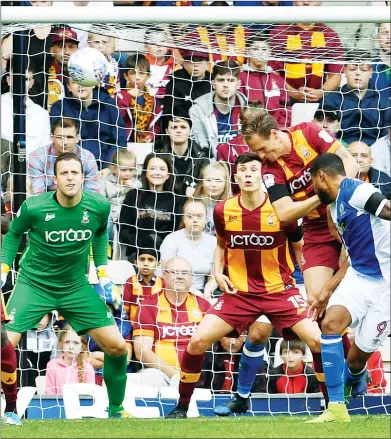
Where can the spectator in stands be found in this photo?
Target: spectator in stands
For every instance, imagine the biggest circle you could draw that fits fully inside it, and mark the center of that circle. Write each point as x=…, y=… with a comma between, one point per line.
x=178, y=3
x=306, y=81
x=362, y=153
x=213, y=187
x=63, y=42
x=330, y=120
x=106, y=45
x=219, y=39
x=71, y=367
x=194, y=244
x=381, y=78
x=365, y=113
x=165, y=323
x=375, y=367
x=293, y=375
x=146, y=282
x=101, y=125
x=353, y=35
x=381, y=153
x=215, y=115
x=37, y=119
x=65, y=138
x=259, y=83
x=187, y=156
x=187, y=84
x=140, y=110
x=149, y=212
x=162, y=62
x=262, y=3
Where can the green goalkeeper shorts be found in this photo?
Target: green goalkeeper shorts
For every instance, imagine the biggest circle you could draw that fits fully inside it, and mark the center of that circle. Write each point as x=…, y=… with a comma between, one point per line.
x=83, y=309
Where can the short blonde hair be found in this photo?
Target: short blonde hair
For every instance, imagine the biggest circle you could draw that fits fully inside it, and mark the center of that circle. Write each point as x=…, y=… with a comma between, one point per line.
x=258, y=122
x=121, y=155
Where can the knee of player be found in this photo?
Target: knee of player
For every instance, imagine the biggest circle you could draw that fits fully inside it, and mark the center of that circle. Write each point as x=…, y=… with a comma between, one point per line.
x=314, y=343
x=259, y=336
x=116, y=350
x=198, y=344
x=331, y=325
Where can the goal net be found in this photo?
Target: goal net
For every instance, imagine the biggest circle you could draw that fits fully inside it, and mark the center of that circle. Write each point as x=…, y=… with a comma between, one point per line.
x=164, y=117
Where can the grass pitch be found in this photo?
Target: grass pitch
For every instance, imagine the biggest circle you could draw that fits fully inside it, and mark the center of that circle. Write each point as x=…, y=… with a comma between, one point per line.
x=240, y=427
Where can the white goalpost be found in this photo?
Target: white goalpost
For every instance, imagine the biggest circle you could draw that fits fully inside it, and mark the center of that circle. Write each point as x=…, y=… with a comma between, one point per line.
x=129, y=26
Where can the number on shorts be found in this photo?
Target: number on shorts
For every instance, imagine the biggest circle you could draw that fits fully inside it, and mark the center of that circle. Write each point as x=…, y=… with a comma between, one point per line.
x=298, y=301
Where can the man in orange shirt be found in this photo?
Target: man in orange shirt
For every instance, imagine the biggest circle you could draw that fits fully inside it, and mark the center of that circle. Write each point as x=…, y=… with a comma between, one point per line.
x=253, y=268
x=165, y=323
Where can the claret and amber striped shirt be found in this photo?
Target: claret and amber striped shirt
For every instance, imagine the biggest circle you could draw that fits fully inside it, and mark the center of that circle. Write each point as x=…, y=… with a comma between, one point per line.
x=257, y=255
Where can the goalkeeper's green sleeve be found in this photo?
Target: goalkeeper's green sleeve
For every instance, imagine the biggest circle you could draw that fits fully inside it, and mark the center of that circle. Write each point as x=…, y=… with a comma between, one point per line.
x=100, y=246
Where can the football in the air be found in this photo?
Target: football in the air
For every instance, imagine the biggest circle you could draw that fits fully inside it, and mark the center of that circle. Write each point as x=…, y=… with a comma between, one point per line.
x=87, y=66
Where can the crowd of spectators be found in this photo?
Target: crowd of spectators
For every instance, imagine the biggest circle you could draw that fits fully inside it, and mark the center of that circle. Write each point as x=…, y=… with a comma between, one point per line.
x=185, y=107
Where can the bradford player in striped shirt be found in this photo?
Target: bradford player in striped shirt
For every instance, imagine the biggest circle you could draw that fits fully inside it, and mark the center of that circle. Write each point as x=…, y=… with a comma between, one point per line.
x=287, y=157
x=253, y=268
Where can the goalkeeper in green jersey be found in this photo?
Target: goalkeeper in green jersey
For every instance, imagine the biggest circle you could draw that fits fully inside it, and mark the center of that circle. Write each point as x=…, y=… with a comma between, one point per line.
x=62, y=226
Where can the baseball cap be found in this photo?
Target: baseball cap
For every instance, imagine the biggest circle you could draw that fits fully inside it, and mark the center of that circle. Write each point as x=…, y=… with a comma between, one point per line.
x=219, y=3
x=189, y=54
x=327, y=111
x=63, y=33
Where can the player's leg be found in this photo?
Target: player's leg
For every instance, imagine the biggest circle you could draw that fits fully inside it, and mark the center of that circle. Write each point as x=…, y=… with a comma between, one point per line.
x=8, y=377
x=87, y=313
x=250, y=362
x=211, y=329
x=320, y=262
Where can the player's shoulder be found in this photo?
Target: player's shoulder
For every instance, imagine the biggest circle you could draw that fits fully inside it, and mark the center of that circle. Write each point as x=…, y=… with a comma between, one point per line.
x=306, y=128
x=39, y=201
x=95, y=199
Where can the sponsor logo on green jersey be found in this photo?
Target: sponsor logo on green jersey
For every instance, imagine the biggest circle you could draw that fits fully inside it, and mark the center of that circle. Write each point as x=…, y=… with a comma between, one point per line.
x=67, y=235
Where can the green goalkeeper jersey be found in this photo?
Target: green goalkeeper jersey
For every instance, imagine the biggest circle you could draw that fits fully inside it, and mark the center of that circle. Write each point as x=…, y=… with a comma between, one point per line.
x=59, y=240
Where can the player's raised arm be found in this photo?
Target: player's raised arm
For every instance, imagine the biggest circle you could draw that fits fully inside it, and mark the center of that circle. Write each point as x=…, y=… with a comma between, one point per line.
x=11, y=241
x=351, y=166
x=368, y=198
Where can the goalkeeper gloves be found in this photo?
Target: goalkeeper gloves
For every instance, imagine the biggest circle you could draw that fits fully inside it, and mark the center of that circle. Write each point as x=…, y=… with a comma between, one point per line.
x=5, y=269
x=112, y=294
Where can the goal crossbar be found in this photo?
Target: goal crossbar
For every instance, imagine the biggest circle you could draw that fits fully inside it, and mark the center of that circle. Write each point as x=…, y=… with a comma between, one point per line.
x=218, y=14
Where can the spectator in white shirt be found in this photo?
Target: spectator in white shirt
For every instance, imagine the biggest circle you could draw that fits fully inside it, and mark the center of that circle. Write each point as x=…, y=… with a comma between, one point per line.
x=195, y=245
x=37, y=118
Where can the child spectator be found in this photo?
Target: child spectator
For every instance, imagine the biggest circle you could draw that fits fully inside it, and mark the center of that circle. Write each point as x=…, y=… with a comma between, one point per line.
x=187, y=156
x=365, y=113
x=165, y=323
x=259, y=83
x=306, y=81
x=122, y=177
x=138, y=107
x=161, y=60
x=64, y=42
x=37, y=119
x=215, y=115
x=330, y=120
x=213, y=187
x=362, y=153
x=65, y=138
x=106, y=45
x=194, y=244
x=145, y=283
x=71, y=367
x=292, y=376
x=102, y=127
x=187, y=84
x=149, y=212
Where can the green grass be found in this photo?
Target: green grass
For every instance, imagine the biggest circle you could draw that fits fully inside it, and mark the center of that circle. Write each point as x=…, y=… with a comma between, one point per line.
x=242, y=427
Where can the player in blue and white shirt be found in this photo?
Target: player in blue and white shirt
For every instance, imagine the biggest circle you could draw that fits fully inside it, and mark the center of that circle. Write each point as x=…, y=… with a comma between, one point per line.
x=362, y=300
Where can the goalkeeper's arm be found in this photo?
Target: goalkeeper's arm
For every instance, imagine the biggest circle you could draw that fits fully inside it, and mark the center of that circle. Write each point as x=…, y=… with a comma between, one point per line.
x=11, y=241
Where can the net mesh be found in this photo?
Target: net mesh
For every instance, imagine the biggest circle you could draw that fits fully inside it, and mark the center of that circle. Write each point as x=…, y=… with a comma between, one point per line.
x=141, y=135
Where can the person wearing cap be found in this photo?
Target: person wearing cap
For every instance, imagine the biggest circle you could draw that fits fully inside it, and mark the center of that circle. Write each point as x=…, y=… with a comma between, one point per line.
x=187, y=155
x=365, y=113
x=187, y=84
x=63, y=42
x=329, y=119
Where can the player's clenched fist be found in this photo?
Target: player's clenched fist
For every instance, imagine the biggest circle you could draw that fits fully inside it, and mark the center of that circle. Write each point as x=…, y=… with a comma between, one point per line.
x=112, y=294
x=225, y=284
